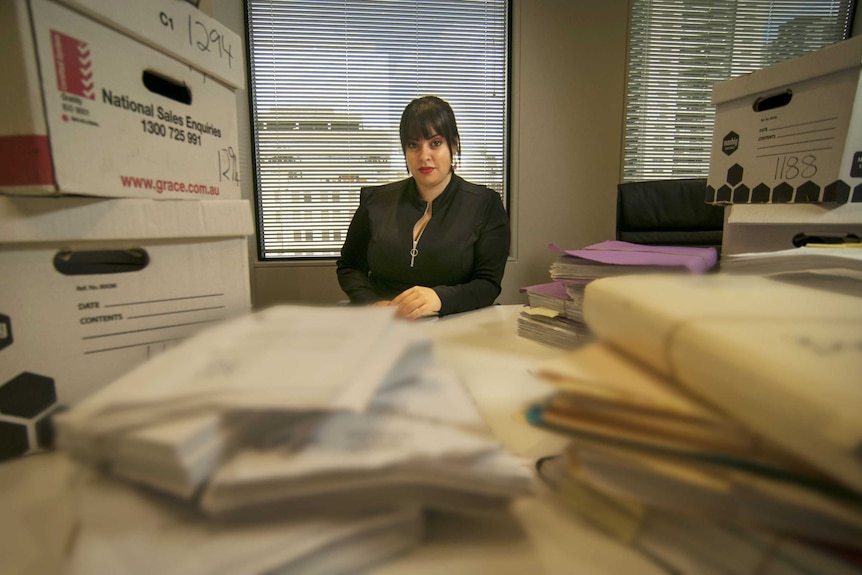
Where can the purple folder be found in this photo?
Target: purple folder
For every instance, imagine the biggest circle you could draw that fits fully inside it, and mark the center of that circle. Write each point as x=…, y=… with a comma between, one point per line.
x=614, y=252
x=552, y=289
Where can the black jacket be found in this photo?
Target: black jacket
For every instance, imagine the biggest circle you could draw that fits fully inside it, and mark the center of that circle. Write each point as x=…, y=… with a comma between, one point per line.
x=461, y=254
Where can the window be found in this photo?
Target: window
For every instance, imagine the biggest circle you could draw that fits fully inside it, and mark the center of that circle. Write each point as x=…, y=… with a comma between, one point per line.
x=329, y=82
x=680, y=48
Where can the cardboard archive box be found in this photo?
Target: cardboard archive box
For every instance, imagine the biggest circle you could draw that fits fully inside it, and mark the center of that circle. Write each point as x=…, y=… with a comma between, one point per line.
x=93, y=287
x=177, y=28
x=88, y=110
x=771, y=227
x=790, y=133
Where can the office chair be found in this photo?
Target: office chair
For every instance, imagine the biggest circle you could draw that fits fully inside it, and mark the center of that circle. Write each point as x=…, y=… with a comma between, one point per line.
x=668, y=212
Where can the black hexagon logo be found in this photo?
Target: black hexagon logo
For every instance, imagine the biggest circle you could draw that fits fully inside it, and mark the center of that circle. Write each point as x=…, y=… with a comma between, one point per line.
x=857, y=194
x=740, y=194
x=722, y=194
x=710, y=194
x=13, y=440
x=838, y=191
x=760, y=194
x=808, y=192
x=27, y=395
x=45, y=431
x=730, y=143
x=734, y=174
x=5, y=331
x=782, y=193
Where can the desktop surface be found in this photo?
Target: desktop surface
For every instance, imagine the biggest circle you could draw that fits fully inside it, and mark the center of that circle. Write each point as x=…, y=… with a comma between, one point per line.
x=535, y=535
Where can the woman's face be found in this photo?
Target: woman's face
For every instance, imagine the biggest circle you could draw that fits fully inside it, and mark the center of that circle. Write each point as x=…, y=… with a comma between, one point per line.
x=429, y=161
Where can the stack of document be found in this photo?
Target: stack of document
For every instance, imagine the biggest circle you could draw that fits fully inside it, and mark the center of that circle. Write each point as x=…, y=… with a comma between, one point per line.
x=554, y=314
x=613, y=258
x=563, y=297
x=298, y=428
x=728, y=400
x=126, y=531
x=837, y=267
x=685, y=542
x=552, y=328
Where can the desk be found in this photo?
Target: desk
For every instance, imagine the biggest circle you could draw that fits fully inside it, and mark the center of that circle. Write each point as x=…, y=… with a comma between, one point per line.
x=536, y=537
x=493, y=362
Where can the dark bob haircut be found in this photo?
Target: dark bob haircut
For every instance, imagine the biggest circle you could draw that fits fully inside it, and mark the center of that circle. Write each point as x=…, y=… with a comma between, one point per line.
x=426, y=116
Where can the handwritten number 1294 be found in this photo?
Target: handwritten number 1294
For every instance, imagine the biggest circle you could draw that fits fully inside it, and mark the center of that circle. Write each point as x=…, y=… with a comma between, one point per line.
x=208, y=40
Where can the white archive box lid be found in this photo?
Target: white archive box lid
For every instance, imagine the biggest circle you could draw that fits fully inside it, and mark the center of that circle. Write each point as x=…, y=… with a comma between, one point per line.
x=42, y=220
x=833, y=58
x=176, y=28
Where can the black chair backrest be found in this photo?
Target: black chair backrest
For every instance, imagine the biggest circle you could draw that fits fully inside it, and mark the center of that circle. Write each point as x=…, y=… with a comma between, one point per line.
x=668, y=212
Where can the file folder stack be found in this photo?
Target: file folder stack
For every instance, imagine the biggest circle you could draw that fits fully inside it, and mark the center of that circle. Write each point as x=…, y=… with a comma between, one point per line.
x=555, y=312
x=324, y=430
x=714, y=411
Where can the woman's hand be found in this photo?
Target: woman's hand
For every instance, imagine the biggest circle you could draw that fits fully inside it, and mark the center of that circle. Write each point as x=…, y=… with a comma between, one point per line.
x=417, y=302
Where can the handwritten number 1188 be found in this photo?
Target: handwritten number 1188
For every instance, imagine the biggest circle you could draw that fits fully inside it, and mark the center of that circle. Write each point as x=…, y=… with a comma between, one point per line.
x=792, y=167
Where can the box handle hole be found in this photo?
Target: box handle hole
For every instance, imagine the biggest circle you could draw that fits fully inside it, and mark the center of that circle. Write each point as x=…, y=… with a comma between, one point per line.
x=166, y=87
x=804, y=239
x=772, y=102
x=88, y=262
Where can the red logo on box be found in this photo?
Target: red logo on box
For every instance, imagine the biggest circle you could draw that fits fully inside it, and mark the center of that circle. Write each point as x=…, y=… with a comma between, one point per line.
x=73, y=65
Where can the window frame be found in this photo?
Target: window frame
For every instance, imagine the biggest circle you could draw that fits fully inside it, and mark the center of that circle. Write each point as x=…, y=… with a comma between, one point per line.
x=506, y=143
x=663, y=147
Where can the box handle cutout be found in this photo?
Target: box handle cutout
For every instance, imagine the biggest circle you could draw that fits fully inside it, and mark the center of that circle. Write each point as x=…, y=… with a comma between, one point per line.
x=772, y=102
x=88, y=262
x=804, y=239
x=166, y=87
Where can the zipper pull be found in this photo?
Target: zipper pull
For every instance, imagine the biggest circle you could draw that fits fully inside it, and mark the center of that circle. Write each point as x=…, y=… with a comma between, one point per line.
x=413, y=252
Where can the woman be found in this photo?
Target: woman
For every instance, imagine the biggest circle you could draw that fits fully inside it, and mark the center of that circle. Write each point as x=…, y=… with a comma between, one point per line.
x=432, y=243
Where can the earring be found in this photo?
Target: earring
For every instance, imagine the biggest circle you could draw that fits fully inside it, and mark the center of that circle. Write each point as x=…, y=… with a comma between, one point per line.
x=454, y=162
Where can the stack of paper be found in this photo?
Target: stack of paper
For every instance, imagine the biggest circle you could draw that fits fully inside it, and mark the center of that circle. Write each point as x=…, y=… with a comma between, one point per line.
x=552, y=327
x=304, y=415
x=782, y=359
x=125, y=531
x=837, y=267
x=729, y=399
x=613, y=258
x=684, y=542
x=564, y=297
x=603, y=396
x=554, y=314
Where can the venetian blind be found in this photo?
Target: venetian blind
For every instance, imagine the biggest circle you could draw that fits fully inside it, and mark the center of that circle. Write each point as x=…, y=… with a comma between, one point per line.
x=330, y=79
x=680, y=48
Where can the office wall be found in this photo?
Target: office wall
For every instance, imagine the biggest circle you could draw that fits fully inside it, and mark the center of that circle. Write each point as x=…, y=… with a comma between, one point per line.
x=568, y=65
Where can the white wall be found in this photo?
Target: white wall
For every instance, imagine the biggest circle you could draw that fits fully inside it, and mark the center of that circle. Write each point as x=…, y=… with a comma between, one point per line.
x=568, y=64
